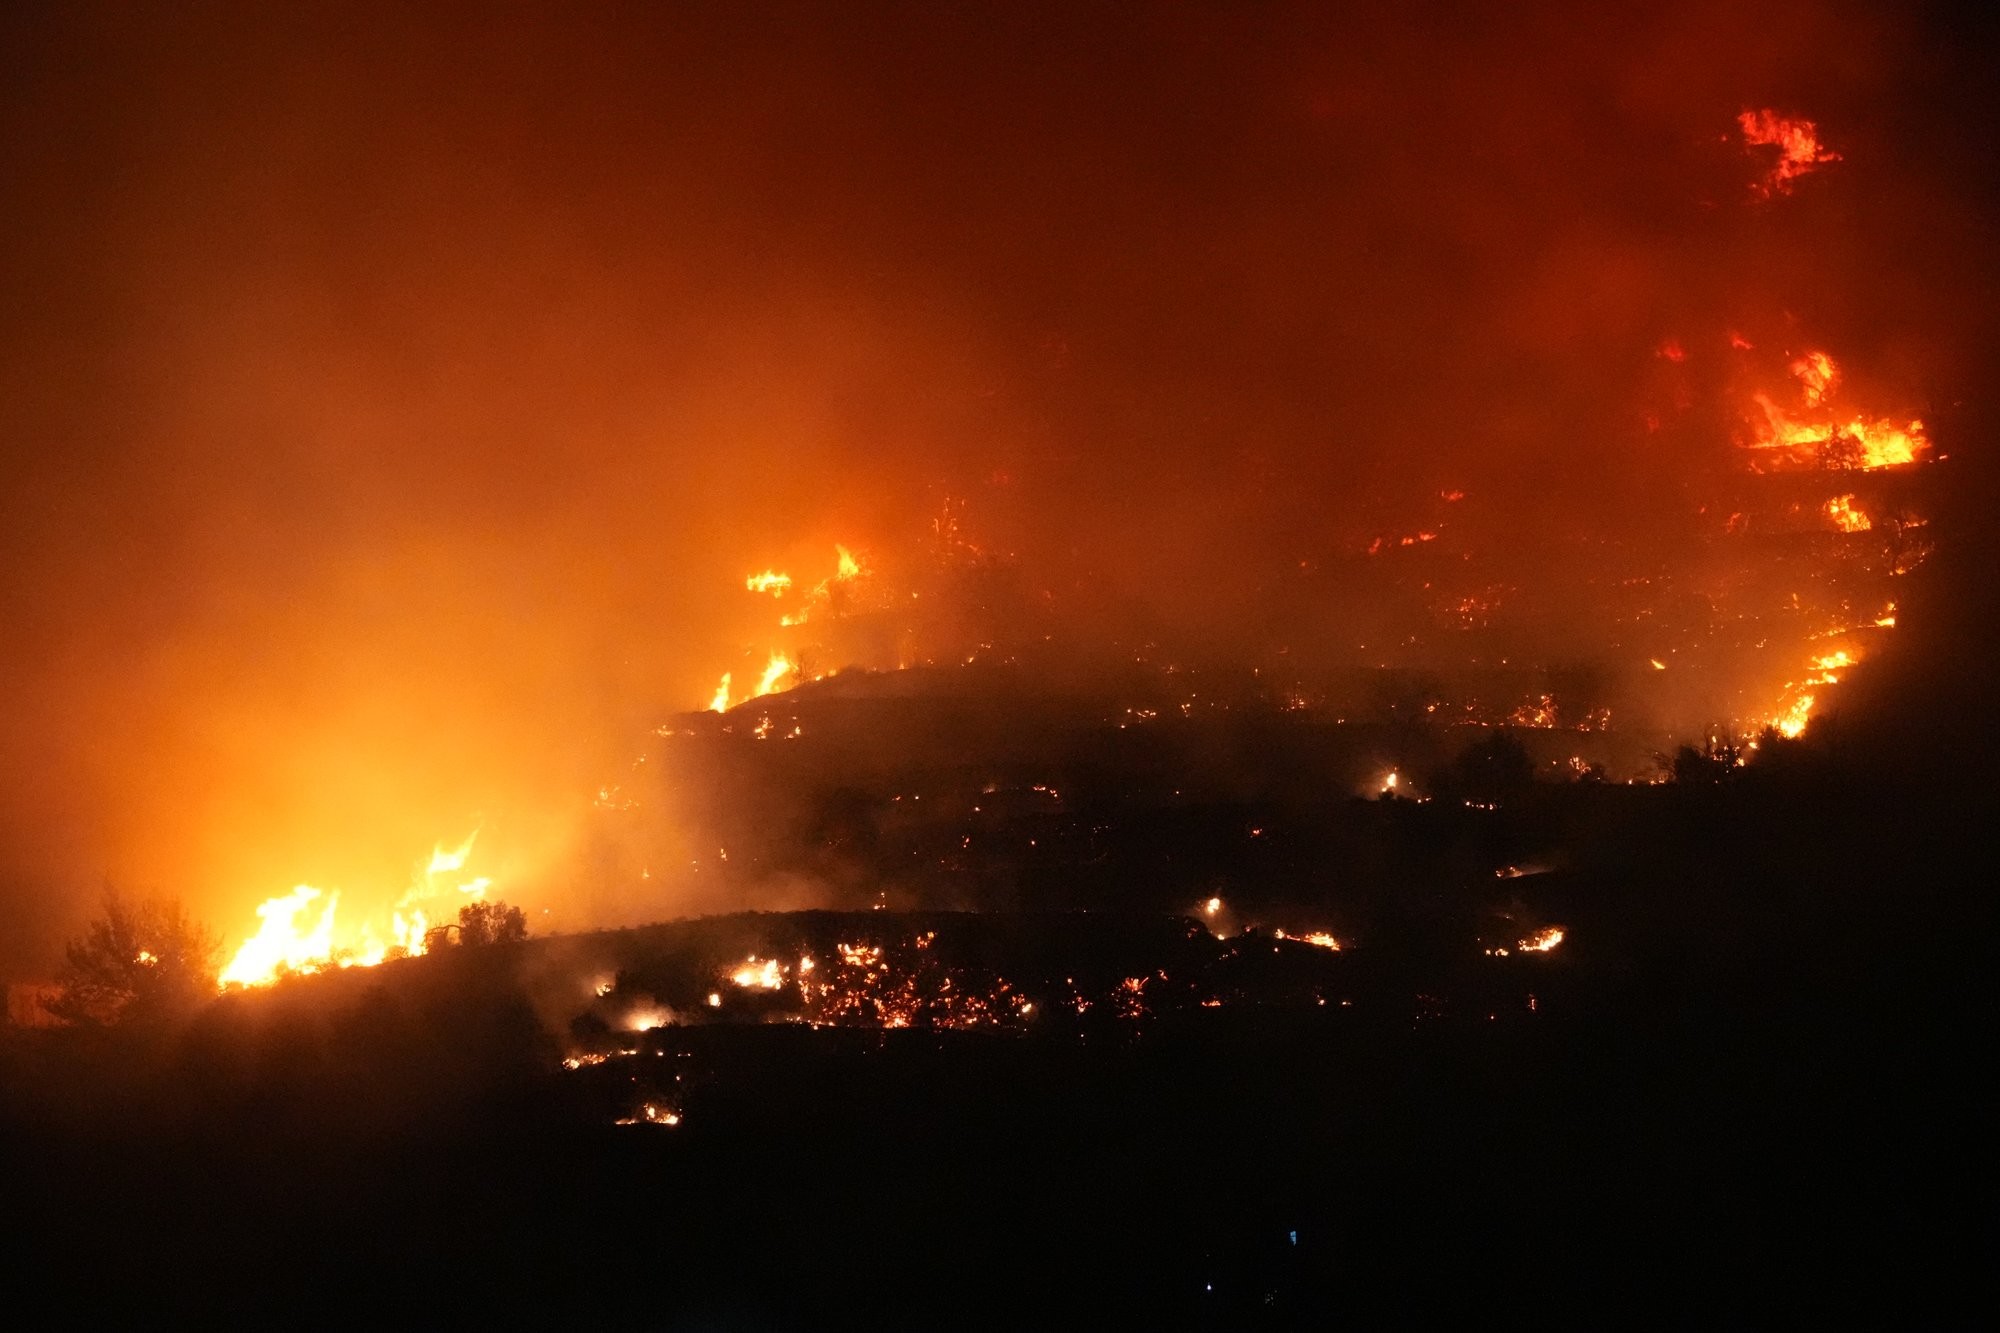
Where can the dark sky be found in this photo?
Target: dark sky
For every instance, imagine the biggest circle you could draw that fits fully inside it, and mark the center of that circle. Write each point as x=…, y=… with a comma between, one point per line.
x=394, y=397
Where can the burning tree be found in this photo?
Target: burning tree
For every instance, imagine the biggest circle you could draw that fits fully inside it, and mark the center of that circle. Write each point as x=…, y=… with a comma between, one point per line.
x=134, y=964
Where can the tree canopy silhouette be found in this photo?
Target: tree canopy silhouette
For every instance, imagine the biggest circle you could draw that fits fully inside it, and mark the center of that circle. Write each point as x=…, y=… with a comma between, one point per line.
x=1497, y=768
x=491, y=923
x=135, y=963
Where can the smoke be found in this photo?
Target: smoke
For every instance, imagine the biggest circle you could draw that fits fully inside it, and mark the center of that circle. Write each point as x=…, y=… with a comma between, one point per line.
x=395, y=400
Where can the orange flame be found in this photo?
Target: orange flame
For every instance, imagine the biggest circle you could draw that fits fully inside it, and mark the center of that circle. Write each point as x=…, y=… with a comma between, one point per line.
x=1845, y=516
x=295, y=936
x=1814, y=436
x=775, y=670
x=1797, y=141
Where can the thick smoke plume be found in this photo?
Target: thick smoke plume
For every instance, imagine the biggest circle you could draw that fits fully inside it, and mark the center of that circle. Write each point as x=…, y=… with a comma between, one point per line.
x=395, y=399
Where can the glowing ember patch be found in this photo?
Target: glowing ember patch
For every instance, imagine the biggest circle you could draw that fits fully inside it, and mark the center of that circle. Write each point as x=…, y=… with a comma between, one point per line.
x=1797, y=141
x=653, y=1114
x=1542, y=940
x=1537, y=713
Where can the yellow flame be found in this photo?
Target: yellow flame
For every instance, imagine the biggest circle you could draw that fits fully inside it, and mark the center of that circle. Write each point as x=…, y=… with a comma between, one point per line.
x=860, y=955
x=1845, y=516
x=775, y=670
x=769, y=581
x=442, y=860
x=765, y=975
x=1816, y=436
x=296, y=936
x=280, y=944
x=850, y=568
x=1791, y=723
x=720, y=703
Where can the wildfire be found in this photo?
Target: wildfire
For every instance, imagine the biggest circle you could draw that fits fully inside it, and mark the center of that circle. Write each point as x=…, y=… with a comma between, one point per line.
x=1845, y=516
x=1791, y=723
x=280, y=944
x=1797, y=141
x=781, y=670
x=1540, y=712
x=652, y=1113
x=1318, y=938
x=297, y=935
x=1815, y=435
x=754, y=975
x=775, y=670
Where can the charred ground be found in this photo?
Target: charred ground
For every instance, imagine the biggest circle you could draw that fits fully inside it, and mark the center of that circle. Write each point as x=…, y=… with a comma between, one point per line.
x=1742, y=1086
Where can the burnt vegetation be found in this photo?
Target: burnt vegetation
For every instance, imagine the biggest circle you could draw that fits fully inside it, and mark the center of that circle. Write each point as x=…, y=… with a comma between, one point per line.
x=1156, y=1107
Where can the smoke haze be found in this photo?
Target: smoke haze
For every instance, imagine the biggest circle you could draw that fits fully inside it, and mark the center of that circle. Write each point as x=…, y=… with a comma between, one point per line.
x=394, y=401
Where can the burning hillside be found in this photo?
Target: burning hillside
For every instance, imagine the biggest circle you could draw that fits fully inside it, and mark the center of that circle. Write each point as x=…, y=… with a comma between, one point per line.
x=1768, y=567
x=1040, y=664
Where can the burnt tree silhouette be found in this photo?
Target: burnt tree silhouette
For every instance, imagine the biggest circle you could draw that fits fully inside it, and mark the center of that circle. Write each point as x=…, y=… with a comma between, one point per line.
x=491, y=923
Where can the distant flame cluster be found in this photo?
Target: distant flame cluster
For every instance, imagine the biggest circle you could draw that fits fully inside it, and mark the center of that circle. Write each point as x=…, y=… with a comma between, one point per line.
x=1799, y=150
x=781, y=670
